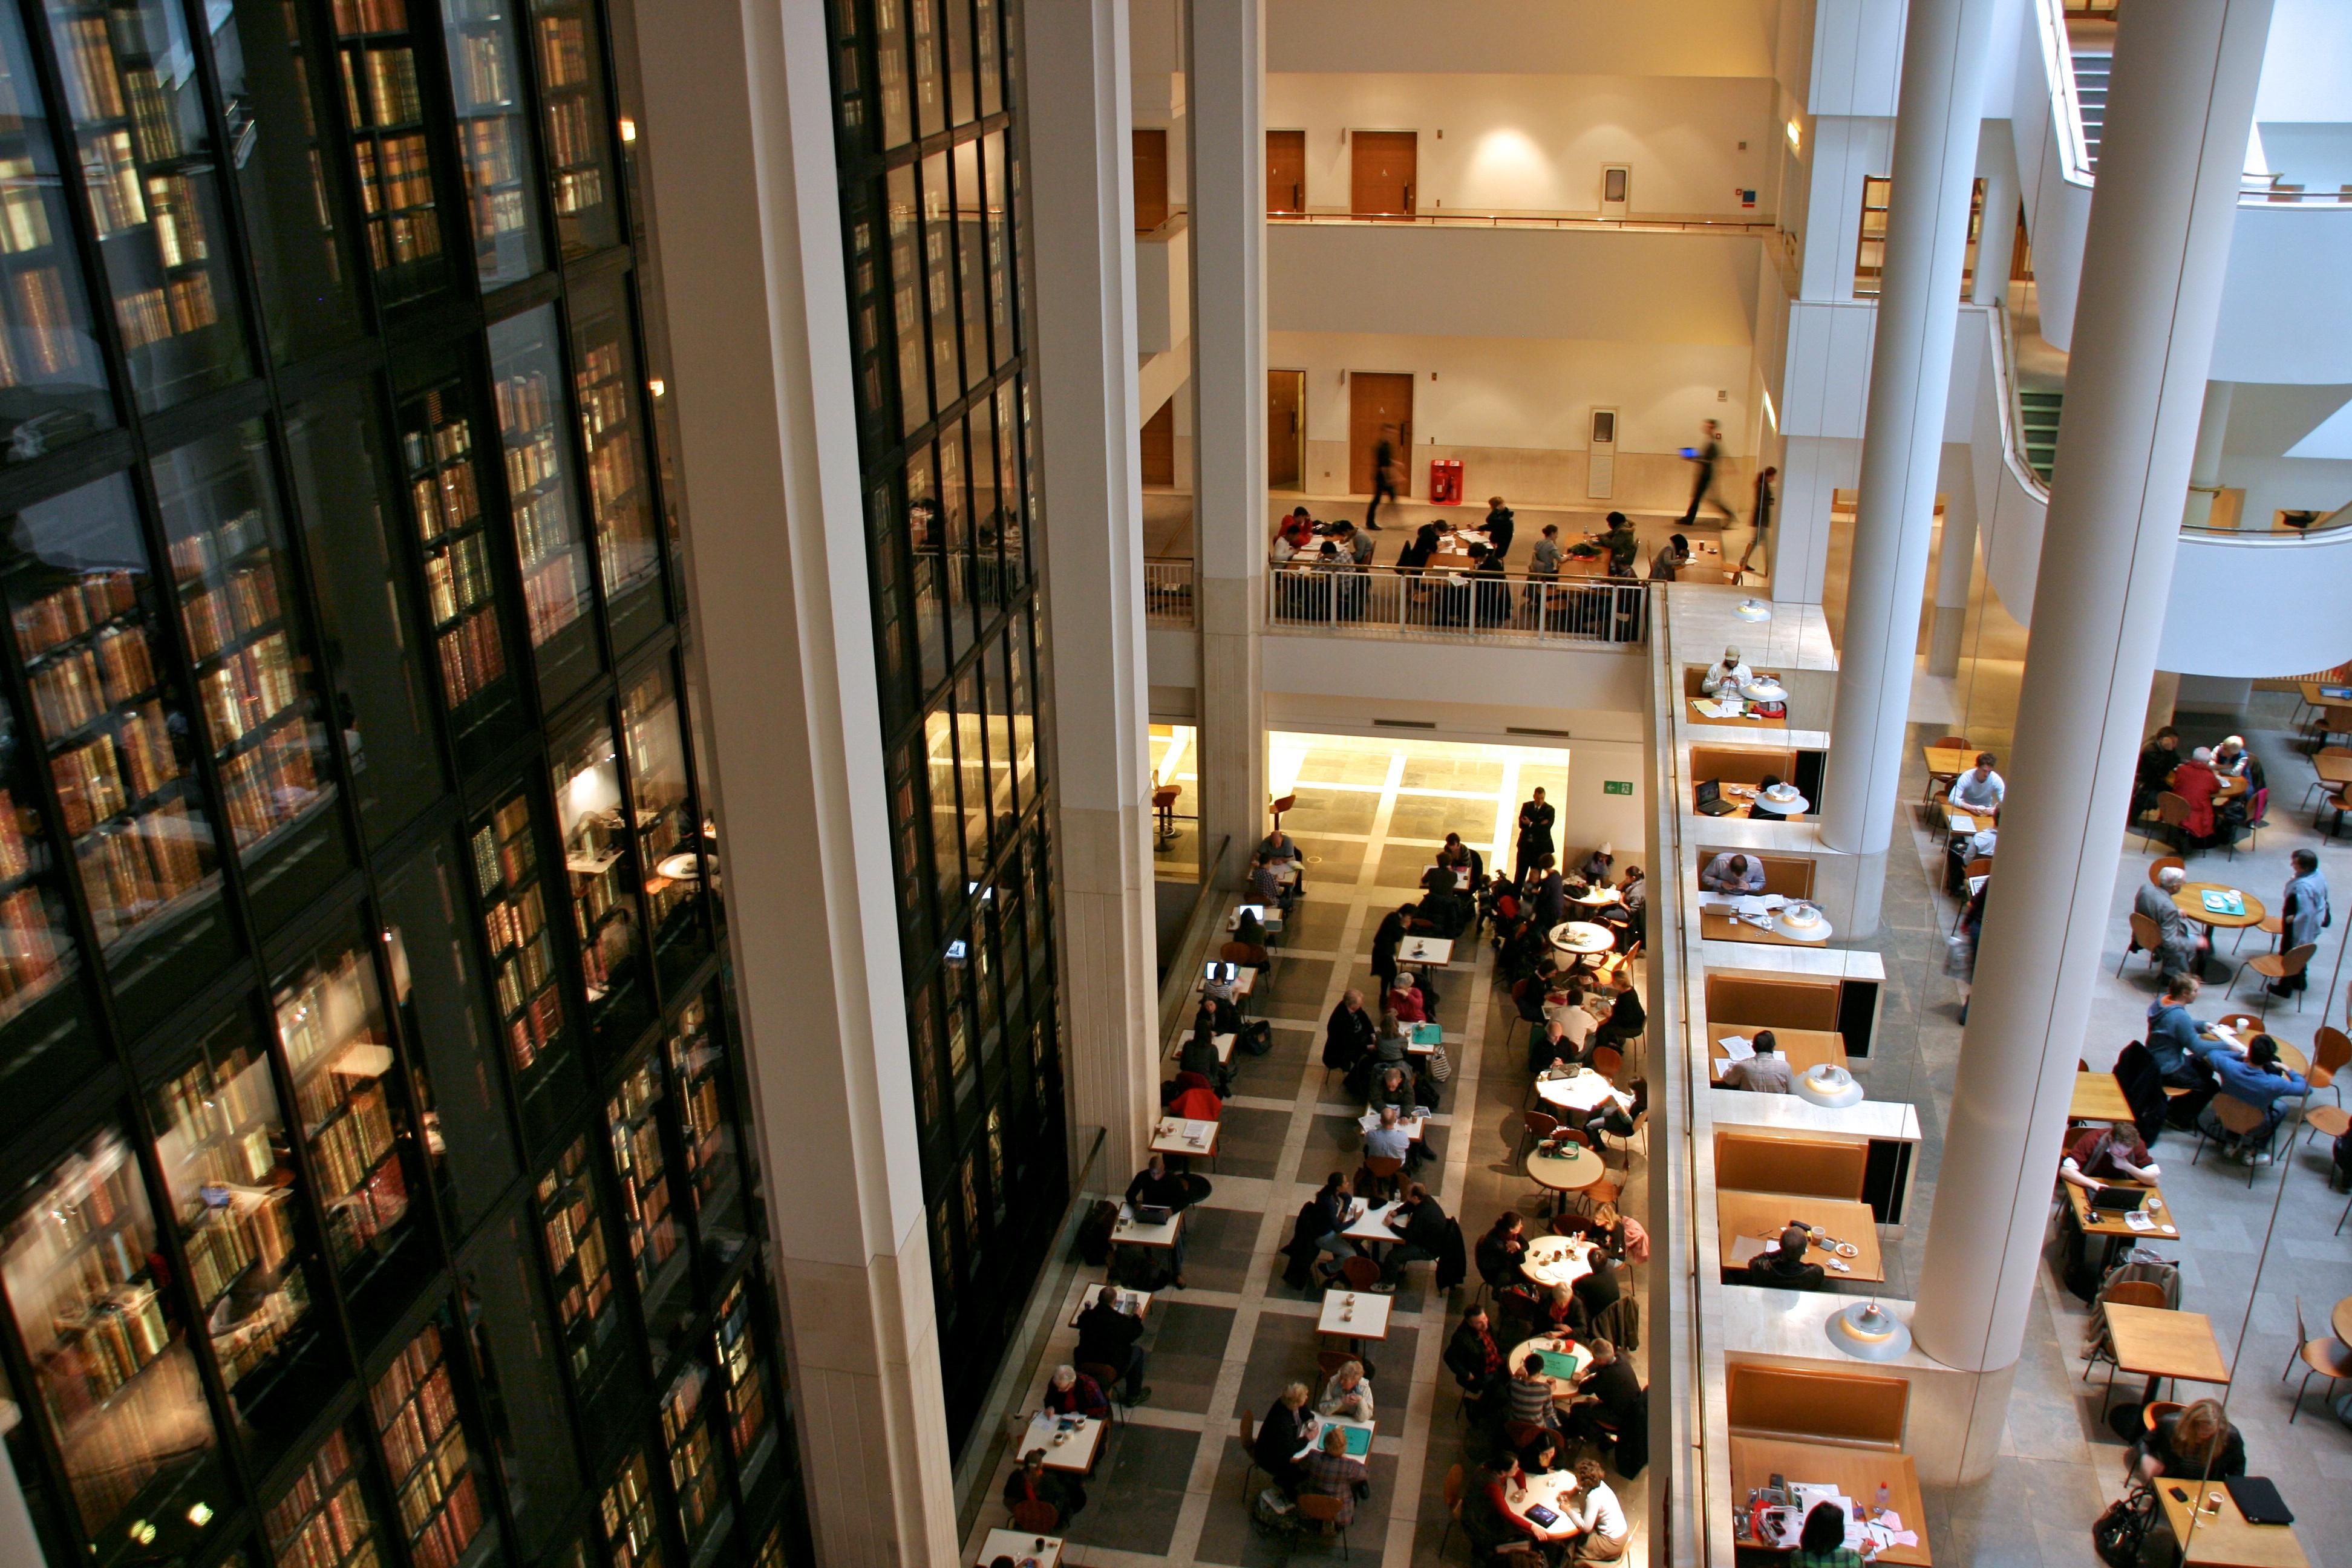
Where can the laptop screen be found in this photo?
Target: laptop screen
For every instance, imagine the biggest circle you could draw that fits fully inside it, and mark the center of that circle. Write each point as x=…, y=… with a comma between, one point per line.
x=1710, y=793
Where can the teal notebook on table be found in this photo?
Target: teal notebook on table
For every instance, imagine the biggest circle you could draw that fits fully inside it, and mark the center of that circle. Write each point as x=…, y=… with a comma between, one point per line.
x=1428, y=1034
x=1359, y=1441
x=1555, y=1364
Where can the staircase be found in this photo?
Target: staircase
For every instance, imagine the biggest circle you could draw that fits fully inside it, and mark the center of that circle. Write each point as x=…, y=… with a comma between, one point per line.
x=2038, y=411
x=2091, y=69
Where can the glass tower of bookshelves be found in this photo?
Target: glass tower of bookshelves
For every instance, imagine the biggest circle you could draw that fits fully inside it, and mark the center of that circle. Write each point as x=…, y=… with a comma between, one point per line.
x=373, y=1187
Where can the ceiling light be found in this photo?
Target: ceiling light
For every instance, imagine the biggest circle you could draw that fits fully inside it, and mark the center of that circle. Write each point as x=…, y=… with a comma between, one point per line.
x=1829, y=1084
x=1868, y=1331
x=1796, y=137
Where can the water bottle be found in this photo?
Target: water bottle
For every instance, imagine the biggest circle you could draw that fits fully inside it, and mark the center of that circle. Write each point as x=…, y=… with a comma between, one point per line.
x=1881, y=1507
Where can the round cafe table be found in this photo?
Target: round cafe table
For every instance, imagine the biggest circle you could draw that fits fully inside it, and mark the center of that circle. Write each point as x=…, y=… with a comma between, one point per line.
x=2189, y=901
x=1582, y=936
x=1556, y=1260
x=1572, y=1169
x=1558, y=1344
x=1594, y=898
x=2341, y=1319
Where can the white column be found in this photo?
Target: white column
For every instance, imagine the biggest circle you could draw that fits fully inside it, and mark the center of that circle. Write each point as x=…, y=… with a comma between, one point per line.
x=1812, y=470
x=1081, y=209
x=2205, y=463
x=2158, y=242
x=1955, y=561
x=19, y=1543
x=739, y=135
x=1945, y=46
x=1224, y=115
x=1997, y=167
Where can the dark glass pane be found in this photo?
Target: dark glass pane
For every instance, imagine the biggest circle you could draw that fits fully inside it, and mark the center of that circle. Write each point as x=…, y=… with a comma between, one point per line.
x=870, y=290
x=451, y=1042
x=699, y=1078
x=323, y=1519
x=82, y=605
x=1008, y=736
x=906, y=300
x=992, y=57
x=749, y=1431
x=110, y=1357
x=439, y=462
x=848, y=74
x=533, y=412
x=414, y=1408
x=385, y=114
x=1012, y=536
x=152, y=178
x=236, y=1201
x=1023, y=709
x=891, y=68
x=933, y=574
x=45, y=1039
x=991, y=590
x=947, y=836
x=486, y=68
x=962, y=72
x=894, y=636
x=648, y=1220
x=906, y=849
x=366, y=610
x=600, y=859
x=626, y=1510
x=696, y=1477
x=514, y=1356
x=274, y=72
x=579, y=137
x=668, y=829
x=257, y=679
x=971, y=776
x=52, y=379
x=580, y=1263
x=971, y=221
x=997, y=220
x=939, y=278
x=930, y=68
x=522, y=963
x=620, y=492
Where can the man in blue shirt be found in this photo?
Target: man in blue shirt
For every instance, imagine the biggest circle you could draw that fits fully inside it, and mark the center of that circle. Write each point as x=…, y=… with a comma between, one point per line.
x=2257, y=1079
x=2174, y=1039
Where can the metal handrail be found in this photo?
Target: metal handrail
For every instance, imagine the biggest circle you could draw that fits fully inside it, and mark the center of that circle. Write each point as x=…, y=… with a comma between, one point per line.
x=2327, y=523
x=1425, y=603
x=1499, y=219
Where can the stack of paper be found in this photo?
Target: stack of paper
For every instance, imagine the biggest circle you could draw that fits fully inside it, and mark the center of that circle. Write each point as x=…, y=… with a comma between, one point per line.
x=1739, y=1047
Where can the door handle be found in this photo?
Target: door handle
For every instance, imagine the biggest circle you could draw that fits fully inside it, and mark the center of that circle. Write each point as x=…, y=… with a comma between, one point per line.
x=1407, y=198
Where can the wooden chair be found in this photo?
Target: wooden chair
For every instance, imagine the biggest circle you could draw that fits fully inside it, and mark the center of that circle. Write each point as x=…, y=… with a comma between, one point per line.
x=2161, y=864
x=1949, y=742
x=1980, y=866
x=2145, y=938
x=1325, y=1512
x=2171, y=821
x=1384, y=1173
x=2270, y=926
x=2126, y=1293
x=1105, y=1376
x=1361, y=1273
x=1640, y=1130
x=1249, y=1453
x=2339, y=801
x=2331, y=1053
x=1607, y=1061
x=2332, y=1120
x=1453, y=1505
x=2279, y=967
x=2241, y=1121
x=1039, y=1518
x=1519, y=1434
x=2156, y=1410
x=2329, y=1357
x=1163, y=816
x=1331, y=1361
x=1534, y=1126
x=1285, y=803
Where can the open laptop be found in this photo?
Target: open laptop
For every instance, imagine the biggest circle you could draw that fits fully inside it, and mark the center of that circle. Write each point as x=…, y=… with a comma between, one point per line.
x=2118, y=1200
x=1710, y=801
x=1153, y=1214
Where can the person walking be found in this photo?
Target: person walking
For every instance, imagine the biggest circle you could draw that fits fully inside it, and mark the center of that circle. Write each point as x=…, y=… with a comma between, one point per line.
x=1384, y=466
x=1707, y=454
x=1762, y=517
x=2302, y=915
x=1500, y=528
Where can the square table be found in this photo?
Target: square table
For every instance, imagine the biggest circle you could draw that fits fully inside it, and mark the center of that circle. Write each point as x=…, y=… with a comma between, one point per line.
x=1855, y=1471
x=1190, y=1136
x=1699, y=716
x=1422, y=1039
x=1411, y=1126
x=2158, y=1343
x=2225, y=1538
x=1949, y=761
x=1127, y=1231
x=1739, y=1214
x=1222, y=1043
x=2098, y=1097
x=2112, y=1228
x=1369, y=1318
x=1437, y=949
x=1244, y=982
x=1075, y=1455
x=1802, y=1049
x=1323, y=1424
x=1372, y=1225
x=1268, y=915
x=1136, y=1301
x=1012, y=1543
x=1716, y=927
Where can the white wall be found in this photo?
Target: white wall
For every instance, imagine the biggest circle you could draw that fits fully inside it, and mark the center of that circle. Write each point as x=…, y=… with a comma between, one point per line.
x=2275, y=484
x=1536, y=144
x=2308, y=63
x=1544, y=37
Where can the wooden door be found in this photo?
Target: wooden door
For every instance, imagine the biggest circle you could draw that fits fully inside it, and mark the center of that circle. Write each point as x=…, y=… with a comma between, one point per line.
x=1286, y=429
x=1376, y=402
x=1285, y=174
x=1382, y=165
x=1150, y=179
x=1160, y=446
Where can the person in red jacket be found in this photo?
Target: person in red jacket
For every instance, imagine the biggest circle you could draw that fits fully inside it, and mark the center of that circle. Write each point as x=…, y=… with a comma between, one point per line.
x=1406, y=1001
x=2195, y=782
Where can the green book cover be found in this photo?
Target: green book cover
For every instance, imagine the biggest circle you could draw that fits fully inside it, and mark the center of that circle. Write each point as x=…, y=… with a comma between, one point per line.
x=1555, y=1364
x=1359, y=1441
x=1427, y=1033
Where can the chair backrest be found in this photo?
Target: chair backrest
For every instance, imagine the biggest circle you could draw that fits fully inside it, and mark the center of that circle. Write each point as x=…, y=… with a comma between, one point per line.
x=1249, y=1431
x=2156, y=1410
x=1980, y=866
x=1103, y=1373
x=1320, y=1509
x=1840, y=1406
x=2171, y=809
x=2297, y=958
x=1384, y=1167
x=1606, y=1060
x=2302, y=1334
x=2145, y=935
x=1519, y=1434
x=2163, y=863
x=1332, y=1361
x=2238, y=1116
x=1538, y=1123
x=2134, y=1293
x=1038, y=1517
x=1454, y=1490
x=1285, y=803
x=1578, y=1136
x=2331, y=1048
x=1363, y=1273
x=1165, y=796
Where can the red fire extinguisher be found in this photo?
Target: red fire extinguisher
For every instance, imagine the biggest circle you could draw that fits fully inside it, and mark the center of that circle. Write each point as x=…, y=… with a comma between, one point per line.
x=1445, y=481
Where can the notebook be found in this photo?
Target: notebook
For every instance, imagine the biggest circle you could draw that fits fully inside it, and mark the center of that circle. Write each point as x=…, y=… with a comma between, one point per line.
x=1710, y=801
x=1747, y=1248
x=2259, y=1500
x=1428, y=1034
x=1555, y=1364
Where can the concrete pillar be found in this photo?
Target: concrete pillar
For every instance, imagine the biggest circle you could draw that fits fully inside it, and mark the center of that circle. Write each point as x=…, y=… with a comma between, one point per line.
x=1956, y=561
x=1997, y=167
x=1812, y=469
x=2205, y=462
x=1224, y=113
x=1081, y=209
x=2158, y=242
x=1944, y=46
x=18, y=1541
x=740, y=132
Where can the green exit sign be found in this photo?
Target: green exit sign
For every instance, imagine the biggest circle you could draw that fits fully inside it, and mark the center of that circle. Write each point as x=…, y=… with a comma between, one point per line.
x=1617, y=787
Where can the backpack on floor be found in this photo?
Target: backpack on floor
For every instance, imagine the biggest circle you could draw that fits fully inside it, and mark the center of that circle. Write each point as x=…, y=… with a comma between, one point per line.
x=1257, y=1039
x=2124, y=1528
x=1140, y=1269
x=1274, y=1513
x=1094, y=1233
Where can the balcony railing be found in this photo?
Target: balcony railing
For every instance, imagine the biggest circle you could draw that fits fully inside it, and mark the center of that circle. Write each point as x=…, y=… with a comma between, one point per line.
x=1663, y=223
x=1168, y=593
x=1458, y=606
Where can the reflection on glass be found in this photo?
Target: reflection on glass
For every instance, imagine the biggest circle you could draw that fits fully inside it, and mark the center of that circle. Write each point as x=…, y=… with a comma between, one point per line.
x=269, y=62
x=386, y=120
x=674, y=861
x=577, y=1259
x=424, y=1444
x=597, y=857
x=579, y=152
x=109, y=1359
x=620, y=494
x=997, y=231
x=513, y=1355
x=939, y=277
x=514, y=918
x=930, y=95
x=698, y=1070
x=444, y=498
x=947, y=835
x=236, y=1203
x=891, y=71
x=907, y=299
x=323, y=1520
x=494, y=144
x=36, y=952
x=530, y=386
x=646, y=1221
x=971, y=213
x=255, y=682
x=330, y=1026
x=694, y=1474
x=152, y=180
x=748, y=1430
x=52, y=381
x=632, y=1527
x=992, y=62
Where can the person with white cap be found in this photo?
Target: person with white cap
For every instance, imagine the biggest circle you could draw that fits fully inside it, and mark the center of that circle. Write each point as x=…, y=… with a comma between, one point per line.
x=1596, y=869
x=1728, y=675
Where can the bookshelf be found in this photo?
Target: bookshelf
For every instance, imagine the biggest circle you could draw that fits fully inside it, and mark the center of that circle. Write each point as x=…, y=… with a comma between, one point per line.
x=436, y=449
x=698, y=1070
x=111, y=1370
x=669, y=846
x=493, y=141
x=254, y=685
x=151, y=176
x=633, y=1115
x=694, y=1478
x=604, y=378
x=234, y=1200
x=631, y=1532
x=330, y=1027
x=384, y=113
x=424, y=1444
x=48, y=363
x=597, y=860
x=528, y=386
x=748, y=1428
x=36, y=952
x=323, y=1521
x=522, y=952
x=579, y=148
x=571, y=1228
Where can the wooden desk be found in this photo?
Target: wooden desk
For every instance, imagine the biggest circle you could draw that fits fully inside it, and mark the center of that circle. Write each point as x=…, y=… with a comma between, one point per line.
x=1137, y=1302
x=1801, y=1049
x=2098, y=1097
x=1075, y=1454
x=1014, y=1544
x=2333, y=770
x=1127, y=1231
x=1366, y=1318
x=2224, y=1538
x=1739, y=1214
x=2190, y=902
x=1187, y=1136
x=2101, y=1223
x=1746, y=721
x=1949, y=761
x=1855, y=1471
x=2157, y=1342
x=1436, y=950
x=1717, y=927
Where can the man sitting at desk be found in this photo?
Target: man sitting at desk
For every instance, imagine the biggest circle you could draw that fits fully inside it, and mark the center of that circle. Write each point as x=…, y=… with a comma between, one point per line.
x=1421, y=1227
x=1611, y=1390
x=1329, y=1472
x=2111, y=1152
x=1475, y=1359
x=2176, y=1041
x=1763, y=1073
x=1732, y=874
x=1979, y=789
x=1388, y=1140
x=1108, y=1336
x=1265, y=883
x=1280, y=850
x=1786, y=1267
x=1031, y=1482
x=2181, y=948
x=1156, y=1187
x=1073, y=1393
x=2259, y=1079
x=1726, y=674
